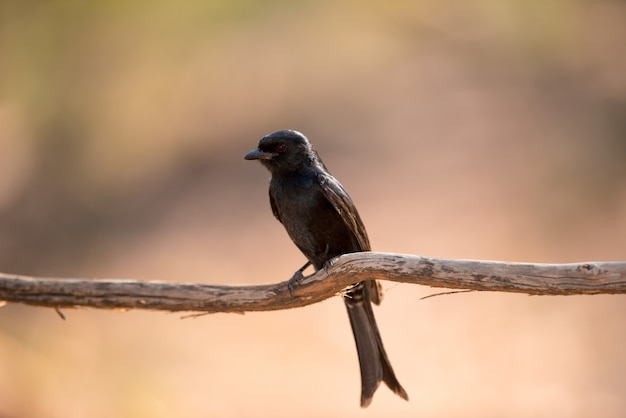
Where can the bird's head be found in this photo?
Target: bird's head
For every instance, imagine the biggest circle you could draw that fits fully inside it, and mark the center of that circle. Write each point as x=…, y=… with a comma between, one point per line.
x=284, y=151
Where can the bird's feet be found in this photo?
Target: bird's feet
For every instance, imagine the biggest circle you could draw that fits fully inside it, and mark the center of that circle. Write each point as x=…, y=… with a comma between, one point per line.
x=329, y=263
x=295, y=279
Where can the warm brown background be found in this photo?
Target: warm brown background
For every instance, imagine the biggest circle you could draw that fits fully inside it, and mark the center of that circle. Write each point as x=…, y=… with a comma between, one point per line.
x=484, y=129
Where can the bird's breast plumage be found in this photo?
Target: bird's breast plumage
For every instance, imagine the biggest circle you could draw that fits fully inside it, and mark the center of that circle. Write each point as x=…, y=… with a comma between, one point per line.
x=313, y=223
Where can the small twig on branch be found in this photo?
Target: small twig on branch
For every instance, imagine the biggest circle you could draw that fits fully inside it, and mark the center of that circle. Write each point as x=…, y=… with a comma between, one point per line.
x=535, y=279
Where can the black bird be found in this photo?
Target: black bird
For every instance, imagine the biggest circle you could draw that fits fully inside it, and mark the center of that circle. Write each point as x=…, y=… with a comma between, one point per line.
x=322, y=221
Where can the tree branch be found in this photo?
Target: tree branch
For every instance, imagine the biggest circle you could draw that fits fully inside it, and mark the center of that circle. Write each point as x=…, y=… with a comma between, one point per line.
x=534, y=279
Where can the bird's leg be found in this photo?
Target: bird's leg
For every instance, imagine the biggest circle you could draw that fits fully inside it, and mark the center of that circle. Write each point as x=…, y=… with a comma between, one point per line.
x=297, y=276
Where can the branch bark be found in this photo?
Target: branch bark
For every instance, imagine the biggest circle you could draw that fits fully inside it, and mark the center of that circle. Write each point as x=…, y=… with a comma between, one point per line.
x=535, y=279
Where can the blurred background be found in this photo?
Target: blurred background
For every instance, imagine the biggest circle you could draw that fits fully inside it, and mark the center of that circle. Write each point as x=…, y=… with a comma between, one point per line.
x=485, y=130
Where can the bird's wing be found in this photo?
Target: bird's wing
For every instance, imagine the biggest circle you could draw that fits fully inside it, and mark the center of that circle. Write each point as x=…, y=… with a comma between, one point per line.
x=340, y=200
x=274, y=207
x=338, y=197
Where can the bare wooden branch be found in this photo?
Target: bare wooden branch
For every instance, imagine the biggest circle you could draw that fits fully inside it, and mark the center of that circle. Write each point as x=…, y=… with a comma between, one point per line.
x=535, y=279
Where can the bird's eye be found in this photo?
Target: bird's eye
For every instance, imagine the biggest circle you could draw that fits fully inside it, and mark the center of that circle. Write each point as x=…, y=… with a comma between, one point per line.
x=281, y=147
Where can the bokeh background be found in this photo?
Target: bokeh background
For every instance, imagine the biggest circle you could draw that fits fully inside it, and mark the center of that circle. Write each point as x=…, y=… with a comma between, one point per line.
x=483, y=129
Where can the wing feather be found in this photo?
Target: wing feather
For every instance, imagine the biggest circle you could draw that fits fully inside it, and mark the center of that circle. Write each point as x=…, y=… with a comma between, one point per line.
x=274, y=207
x=341, y=201
x=338, y=197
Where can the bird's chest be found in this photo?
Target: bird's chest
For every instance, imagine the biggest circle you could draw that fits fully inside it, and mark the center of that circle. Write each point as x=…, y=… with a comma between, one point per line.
x=295, y=203
x=307, y=216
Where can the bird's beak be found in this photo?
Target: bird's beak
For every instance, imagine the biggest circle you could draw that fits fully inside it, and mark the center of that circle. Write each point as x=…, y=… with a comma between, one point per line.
x=257, y=154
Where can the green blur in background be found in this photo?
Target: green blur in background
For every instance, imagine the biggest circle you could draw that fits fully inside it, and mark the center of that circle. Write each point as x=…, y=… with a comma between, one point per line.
x=485, y=129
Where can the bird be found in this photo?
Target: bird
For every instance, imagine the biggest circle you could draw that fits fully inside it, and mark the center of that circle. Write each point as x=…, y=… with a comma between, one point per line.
x=323, y=222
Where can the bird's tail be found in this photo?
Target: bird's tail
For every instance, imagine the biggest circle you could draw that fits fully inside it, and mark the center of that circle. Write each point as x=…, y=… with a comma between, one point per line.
x=375, y=366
